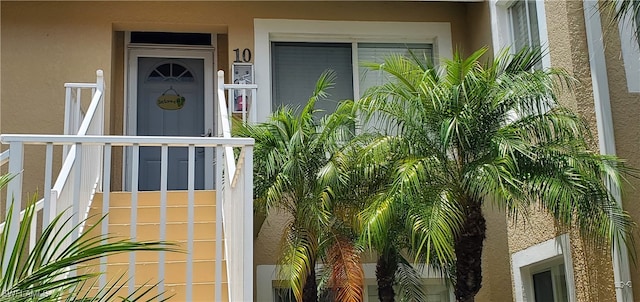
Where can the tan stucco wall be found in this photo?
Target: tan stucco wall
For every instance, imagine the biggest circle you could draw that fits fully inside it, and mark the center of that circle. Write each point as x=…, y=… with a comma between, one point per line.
x=45, y=44
x=625, y=110
x=568, y=49
x=48, y=43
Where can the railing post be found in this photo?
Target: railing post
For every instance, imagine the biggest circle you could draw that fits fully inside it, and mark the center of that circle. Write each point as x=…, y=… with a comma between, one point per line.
x=220, y=99
x=100, y=80
x=67, y=119
x=220, y=192
x=247, y=236
x=14, y=198
x=252, y=111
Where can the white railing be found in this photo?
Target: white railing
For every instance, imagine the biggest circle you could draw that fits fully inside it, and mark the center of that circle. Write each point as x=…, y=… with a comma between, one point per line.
x=57, y=198
x=236, y=200
x=74, y=111
x=237, y=220
x=238, y=106
x=87, y=168
x=80, y=174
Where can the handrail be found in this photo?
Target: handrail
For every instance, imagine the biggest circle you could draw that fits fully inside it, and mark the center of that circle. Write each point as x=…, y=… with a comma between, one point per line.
x=80, y=85
x=225, y=127
x=236, y=203
x=122, y=140
x=4, y=157
x=96, y=101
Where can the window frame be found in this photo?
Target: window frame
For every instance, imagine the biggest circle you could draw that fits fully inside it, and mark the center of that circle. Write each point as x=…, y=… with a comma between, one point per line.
x=502, y=27
x=630, y=53
x=267, y=280
x=540, y=257
x=267, y=31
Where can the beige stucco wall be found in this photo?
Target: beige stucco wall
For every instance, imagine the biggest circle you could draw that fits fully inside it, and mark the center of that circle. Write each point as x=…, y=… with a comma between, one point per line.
x=44, y=44
x=625, y=110
x=568, y=49
x=48, y=43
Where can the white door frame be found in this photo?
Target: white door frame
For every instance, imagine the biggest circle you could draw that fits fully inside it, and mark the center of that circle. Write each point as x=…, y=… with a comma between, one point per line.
x=131, y=93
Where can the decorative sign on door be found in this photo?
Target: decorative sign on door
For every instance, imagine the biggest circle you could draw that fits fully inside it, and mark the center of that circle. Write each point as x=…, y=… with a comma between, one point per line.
x=171, y=101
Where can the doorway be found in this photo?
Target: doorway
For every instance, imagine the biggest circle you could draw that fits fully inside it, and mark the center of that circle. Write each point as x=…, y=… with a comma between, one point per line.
x=170, y=93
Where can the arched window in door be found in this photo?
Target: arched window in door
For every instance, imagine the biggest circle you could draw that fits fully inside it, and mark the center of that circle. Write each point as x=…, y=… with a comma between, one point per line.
x=170, y=72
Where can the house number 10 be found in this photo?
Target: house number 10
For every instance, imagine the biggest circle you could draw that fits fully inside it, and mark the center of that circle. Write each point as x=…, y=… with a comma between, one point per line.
x=246, y=55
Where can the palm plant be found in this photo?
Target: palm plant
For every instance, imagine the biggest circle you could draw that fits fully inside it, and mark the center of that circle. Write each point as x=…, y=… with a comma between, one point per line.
x=52, y=271
x=293, y=174
x=469, y=133
x=625, y=11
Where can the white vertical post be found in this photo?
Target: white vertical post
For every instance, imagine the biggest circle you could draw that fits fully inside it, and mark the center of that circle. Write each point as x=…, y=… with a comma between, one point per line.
x=106, y=195
x=67, y=119
x=247, y=237
x=244, y=105
x=190, y=219
x=48, y=162
x=135, y=160
x=77, y=185
x=252, y=111
x=77, y=120
x=14, y=197
x=164, y=160
x=220, y=190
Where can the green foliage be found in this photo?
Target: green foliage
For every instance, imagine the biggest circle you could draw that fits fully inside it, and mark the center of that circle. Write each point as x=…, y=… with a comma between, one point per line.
x=627, y=11
x=468, y=132
x=296, y=172
x=53, y=271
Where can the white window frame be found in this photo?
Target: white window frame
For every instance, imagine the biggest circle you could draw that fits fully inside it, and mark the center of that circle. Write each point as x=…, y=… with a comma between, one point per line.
x=280, y=30
x=630, y=54
x=502, y=32
x=526, y=262
x=266, y=280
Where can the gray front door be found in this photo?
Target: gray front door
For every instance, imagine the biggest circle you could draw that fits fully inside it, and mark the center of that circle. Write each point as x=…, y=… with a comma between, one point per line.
x=170, y=102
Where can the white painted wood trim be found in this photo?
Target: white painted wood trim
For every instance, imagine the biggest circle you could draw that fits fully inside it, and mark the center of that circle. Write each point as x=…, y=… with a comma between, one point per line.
x=501, y=27
x=522, y=260
x=266, y=278
x=268, y=30
x=630, y=54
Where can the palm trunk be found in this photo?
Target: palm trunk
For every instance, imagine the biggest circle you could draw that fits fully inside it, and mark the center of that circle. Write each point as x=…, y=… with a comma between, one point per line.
x=310, y=290
x=468, y=248
x=385, y=275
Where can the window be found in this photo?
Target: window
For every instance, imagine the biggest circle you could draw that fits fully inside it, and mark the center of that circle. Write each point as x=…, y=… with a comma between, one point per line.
x=630, y=52
x=268, y=288
x=329, y=44
x=549, y=282
x=435, y=291
x=296, y=67
x=519, y=23
x=524, y=24
x=544, y=272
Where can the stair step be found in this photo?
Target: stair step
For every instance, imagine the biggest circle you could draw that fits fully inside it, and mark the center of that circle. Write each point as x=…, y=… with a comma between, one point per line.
x=175, y=231
x=150, y=214
x=202, y=250
x=152, y=198
x=175, y=271
x=148, y=229
x=201, y=292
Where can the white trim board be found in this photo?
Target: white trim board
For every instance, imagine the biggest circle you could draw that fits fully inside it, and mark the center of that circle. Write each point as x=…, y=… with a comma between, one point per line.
x=630, y=54
x=522, y=261
x=266, y=275
x=501, y=27
x=269, y=30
